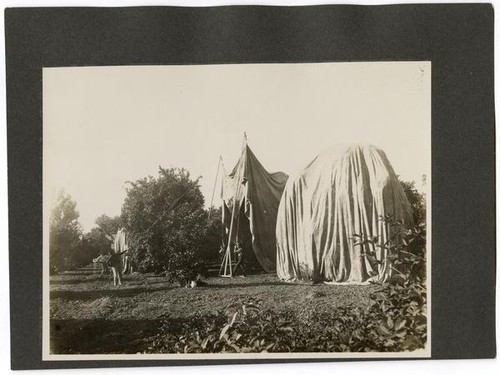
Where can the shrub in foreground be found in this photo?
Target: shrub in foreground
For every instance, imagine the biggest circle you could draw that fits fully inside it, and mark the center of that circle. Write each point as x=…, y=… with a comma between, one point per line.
x=394, y=322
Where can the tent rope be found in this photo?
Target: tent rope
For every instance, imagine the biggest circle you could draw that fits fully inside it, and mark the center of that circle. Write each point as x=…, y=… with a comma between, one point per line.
x=227, y=256
x=213, y=191
x=239, y=210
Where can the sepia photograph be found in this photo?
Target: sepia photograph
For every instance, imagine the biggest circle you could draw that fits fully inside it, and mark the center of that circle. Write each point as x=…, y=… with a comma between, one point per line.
x=237, y=211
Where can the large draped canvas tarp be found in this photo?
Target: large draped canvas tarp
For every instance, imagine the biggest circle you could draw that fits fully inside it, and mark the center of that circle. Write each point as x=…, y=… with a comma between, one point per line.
x=343, y=192
x=255, y=193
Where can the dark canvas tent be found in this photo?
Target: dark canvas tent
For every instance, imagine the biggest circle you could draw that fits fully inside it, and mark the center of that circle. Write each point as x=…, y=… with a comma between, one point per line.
x=251, y=197
x=342, y=192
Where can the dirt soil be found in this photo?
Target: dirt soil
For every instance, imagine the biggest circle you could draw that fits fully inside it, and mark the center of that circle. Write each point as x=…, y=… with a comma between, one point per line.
x=90, y=315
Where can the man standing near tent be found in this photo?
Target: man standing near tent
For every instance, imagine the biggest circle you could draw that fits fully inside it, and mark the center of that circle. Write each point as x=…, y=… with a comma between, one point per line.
x=240, y=259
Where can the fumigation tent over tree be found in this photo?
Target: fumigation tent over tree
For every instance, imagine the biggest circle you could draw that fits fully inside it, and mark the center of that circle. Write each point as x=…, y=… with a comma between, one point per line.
x=343, y=192
x=251, y=197
x=120, y=244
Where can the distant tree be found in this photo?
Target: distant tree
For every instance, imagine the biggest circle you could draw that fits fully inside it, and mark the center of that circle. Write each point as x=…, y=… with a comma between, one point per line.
x=65, y=234
x=100, y=238
x=107, y=225
x=417, y=200
x=167, y=223
x=97, y=242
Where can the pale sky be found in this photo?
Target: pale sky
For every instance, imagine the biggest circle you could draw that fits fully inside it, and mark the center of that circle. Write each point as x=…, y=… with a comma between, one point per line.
x=103, y=126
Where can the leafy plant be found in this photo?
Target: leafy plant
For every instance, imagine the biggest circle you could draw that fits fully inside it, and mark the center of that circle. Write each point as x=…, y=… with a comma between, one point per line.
x=398, y=313
x=242, y=330
x=416, y=199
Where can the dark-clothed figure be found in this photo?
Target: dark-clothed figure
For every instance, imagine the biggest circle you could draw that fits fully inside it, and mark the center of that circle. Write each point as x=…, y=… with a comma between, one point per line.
x=240, y=259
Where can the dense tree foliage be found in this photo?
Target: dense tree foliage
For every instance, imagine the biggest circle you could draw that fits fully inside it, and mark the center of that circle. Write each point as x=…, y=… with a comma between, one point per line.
x=107, y=225
x=100, y=238
x=65, y=234
x=417, y=200
x=167, y=224
x=213, y=235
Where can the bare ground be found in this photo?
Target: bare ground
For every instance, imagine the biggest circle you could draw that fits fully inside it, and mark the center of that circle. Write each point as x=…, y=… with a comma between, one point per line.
x=90, y=315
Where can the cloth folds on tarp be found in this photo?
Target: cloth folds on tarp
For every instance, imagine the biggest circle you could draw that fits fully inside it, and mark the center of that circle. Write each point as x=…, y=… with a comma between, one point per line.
x=343, y=192
x=121, y=241
x=257, y=192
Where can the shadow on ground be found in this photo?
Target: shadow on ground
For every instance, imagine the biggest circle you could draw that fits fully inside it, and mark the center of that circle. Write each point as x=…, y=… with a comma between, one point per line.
x=89, y=295
x=253, y=284
x=106, y=279
x=101, y=336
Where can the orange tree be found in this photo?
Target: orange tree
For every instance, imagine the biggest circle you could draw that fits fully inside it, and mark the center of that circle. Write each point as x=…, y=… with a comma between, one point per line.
x=167, y=222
